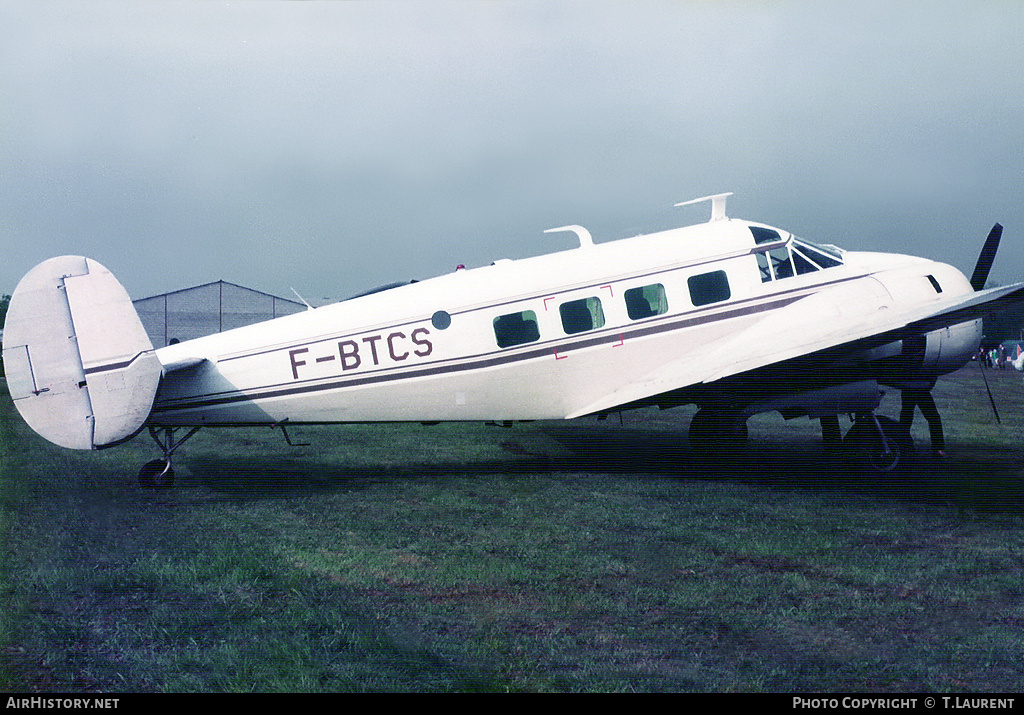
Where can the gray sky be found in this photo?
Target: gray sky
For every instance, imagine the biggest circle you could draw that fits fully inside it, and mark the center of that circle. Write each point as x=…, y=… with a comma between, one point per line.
x=334, y=146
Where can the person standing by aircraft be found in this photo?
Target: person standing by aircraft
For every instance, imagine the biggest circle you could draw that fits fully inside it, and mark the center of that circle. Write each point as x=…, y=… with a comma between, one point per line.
x=921, y=396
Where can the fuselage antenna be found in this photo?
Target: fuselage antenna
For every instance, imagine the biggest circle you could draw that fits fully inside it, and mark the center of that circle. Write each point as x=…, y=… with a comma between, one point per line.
x=717, y=204
x=586, y=240
x=308, y=306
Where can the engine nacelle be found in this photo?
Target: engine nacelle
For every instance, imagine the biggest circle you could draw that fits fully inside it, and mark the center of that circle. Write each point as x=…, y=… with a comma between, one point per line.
x=925, y=357
x=949, y=349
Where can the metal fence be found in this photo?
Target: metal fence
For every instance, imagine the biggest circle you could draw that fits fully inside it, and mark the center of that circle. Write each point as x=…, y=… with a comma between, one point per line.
x=206, y=309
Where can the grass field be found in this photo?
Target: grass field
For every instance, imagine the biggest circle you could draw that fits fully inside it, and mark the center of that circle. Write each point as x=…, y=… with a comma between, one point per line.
x=580, y=556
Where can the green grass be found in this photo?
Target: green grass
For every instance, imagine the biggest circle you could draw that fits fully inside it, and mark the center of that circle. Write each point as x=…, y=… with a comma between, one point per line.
x=547, y=557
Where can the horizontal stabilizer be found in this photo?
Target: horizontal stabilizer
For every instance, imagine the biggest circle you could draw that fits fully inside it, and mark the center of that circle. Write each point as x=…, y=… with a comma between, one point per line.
x=184, y=364
x=80, y=367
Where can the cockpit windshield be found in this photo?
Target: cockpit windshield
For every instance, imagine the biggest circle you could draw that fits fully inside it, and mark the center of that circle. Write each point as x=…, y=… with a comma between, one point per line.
x=795, y=257
x=823, y=255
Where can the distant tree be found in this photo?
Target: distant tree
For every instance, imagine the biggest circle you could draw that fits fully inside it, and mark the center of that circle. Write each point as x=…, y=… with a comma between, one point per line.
x=1005, y=325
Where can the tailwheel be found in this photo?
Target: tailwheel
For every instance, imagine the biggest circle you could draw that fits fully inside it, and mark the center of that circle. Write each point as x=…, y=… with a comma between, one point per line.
x=157, y=474
x=880, y=444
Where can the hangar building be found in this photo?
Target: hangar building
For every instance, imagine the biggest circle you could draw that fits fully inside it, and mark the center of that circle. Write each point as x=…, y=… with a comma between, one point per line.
x=206, y=309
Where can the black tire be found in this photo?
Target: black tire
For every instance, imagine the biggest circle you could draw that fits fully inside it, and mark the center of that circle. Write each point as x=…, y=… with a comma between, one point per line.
x=713, y=432
x=866, y=448
x=156, y=474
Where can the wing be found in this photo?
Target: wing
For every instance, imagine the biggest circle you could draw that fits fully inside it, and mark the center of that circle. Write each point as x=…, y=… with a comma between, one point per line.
x=828, y=324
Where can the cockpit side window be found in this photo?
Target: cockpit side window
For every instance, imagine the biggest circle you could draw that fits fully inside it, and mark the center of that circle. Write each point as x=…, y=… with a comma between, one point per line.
x=803, y=265
x=824, y=256
x=781, y=263
x=798, y=257
x=766, y=271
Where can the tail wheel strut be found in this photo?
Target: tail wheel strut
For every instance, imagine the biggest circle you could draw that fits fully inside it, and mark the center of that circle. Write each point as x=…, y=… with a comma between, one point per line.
x=158, y=473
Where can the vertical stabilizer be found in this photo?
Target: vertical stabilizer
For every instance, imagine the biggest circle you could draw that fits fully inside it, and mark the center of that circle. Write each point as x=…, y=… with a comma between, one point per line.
x=79, y=365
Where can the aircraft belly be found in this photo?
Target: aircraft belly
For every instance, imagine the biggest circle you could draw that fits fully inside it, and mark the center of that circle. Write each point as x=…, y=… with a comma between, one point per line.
x=484, y=394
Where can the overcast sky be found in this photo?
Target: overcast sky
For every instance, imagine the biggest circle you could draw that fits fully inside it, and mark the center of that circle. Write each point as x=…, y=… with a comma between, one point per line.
x=334, y=146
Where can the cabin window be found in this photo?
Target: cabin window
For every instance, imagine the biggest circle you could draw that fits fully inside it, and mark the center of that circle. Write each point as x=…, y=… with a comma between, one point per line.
x=516, y=328
x=646, y=302
x=581, y=315
x=708, y=288
x=764, y=235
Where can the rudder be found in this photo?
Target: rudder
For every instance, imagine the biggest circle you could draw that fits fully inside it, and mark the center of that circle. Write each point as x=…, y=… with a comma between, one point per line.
x=79, y=365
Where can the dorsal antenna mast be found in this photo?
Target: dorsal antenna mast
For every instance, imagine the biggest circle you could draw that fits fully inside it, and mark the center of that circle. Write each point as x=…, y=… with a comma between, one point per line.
x=717, y=205
x=586, y=240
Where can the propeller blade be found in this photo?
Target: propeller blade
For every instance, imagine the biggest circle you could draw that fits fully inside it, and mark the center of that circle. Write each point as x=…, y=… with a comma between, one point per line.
x=988, y=254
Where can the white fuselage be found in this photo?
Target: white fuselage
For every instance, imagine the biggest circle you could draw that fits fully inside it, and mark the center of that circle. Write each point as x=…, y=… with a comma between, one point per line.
x=536, y=338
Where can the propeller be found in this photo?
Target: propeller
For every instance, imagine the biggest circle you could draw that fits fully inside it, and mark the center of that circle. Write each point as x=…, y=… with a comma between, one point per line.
x=988, y=254
x=978, y=278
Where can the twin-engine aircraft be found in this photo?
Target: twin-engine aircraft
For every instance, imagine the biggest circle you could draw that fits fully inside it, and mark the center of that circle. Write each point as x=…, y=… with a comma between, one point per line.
x=734, y=316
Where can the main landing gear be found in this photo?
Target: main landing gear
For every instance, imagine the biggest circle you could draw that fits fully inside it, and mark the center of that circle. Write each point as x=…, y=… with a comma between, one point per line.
x=158, y=474
x=880, y=444
x=876, y=443
x=715, y=431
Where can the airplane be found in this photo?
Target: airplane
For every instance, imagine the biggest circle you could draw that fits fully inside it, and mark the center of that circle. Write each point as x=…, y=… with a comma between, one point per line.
x=736, y=317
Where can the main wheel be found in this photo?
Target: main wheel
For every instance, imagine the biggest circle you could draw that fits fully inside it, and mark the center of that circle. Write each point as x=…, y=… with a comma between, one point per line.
x=156, y=474
x=712, y=431
x=865, y=445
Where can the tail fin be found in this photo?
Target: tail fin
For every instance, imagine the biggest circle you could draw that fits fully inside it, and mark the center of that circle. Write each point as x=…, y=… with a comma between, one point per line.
x=80, y=367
